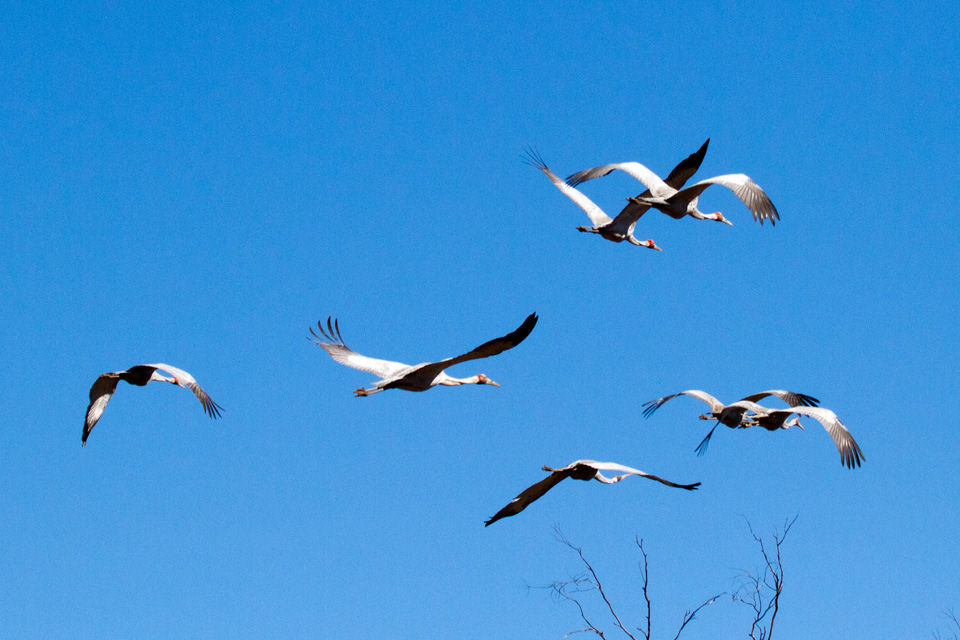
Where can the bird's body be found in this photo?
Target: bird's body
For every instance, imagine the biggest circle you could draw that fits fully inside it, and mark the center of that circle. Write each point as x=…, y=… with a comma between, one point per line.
x=105, y=386
x=615, y=230
x=578, y=470
x=678, y=203
x=417, y=377
x=733, y=415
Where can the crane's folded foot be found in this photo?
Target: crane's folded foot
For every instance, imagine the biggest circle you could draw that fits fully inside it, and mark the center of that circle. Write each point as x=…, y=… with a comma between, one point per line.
x=360, y=392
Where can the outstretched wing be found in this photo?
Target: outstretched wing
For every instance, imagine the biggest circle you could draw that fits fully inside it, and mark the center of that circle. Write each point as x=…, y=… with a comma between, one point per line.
x=210, y=407
x=850, y=454
x=791, y=398
x=687, y=167
x=529, y=495
x=715, y=405
x=100, y=394
x=595, y=213
x=677, y=178
x=652, y=181
x=487, y=349
x=743, y=187
x=347, y=356
x=630, y=471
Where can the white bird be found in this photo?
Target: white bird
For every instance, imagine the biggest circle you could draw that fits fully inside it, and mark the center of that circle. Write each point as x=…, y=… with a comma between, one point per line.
x=578, y=470
x=773, y=419
x=615, y=230
x=140, y=375
x=732, y=415
x=678, y=204
x=417, y=377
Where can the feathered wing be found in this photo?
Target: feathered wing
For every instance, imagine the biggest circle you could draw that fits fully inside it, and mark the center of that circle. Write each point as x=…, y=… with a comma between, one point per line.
x=210, y=407
x=595, y=213
x=677, y=178
x=792, y=398
x=715, y=405
x=630, y=471
x=487, y=349
x=743, y=187
x=653, y=182
x=347, y=356
x=528, y=495
x=687, y=167
x=581, y=470
x=100, y=394
x=850, y=454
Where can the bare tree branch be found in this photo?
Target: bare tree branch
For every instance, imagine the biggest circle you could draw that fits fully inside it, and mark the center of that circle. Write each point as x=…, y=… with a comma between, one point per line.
x=762, y=593
x=597, y=584
x=690, y=615
x=590, y=581
x=954, y=634
x=643, y=574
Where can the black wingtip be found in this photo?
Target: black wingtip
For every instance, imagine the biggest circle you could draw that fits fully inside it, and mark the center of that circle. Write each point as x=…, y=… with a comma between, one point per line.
x=649, y=408
x=532, y=157
x=809, y=401
x=702, y=447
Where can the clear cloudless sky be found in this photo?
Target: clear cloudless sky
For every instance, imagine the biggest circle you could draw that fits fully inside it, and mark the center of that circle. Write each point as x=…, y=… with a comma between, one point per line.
x=198, y=183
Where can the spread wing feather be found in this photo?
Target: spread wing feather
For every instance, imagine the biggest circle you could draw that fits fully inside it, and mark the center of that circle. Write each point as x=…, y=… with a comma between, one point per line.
x=210, y=407
x=595, y=213
x=343, y=354
x=850, y=454
x=743, y=187
x=791, y=398
x=715, y=405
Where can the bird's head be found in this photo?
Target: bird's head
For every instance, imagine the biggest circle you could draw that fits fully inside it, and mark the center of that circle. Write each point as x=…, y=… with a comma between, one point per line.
x=716, y=215
x=650, y=244
x=482, y=379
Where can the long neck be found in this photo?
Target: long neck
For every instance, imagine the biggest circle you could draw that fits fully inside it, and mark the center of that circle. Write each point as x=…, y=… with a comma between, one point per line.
x=156, y=377
x=450, y=381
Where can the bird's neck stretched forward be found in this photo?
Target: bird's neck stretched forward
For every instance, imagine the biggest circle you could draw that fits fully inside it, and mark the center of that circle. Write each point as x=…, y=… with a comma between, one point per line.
x=450, y=381
x=156, y=377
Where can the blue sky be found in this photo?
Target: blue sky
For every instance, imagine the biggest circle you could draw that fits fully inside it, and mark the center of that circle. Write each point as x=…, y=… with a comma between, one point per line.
x=198, y=184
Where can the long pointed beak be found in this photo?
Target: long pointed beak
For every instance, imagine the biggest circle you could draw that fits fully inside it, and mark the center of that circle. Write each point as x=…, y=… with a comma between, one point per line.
x=727, y=222
x=489, y=381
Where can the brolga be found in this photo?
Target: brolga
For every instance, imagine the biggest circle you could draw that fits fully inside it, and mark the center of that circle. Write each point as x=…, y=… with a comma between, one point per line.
x=734, y=414
x=416, y=377
x=683, y=202
x=773, y=419
x=578, y=470
x=104, y=387
x=614, y=230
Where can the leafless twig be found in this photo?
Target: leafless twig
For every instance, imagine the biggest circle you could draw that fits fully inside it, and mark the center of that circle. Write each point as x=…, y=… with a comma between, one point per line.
x=597, y=585
x=590, y=581
x=643, y=574
x=690, y=615
x=762, y=593
x=955, y=630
